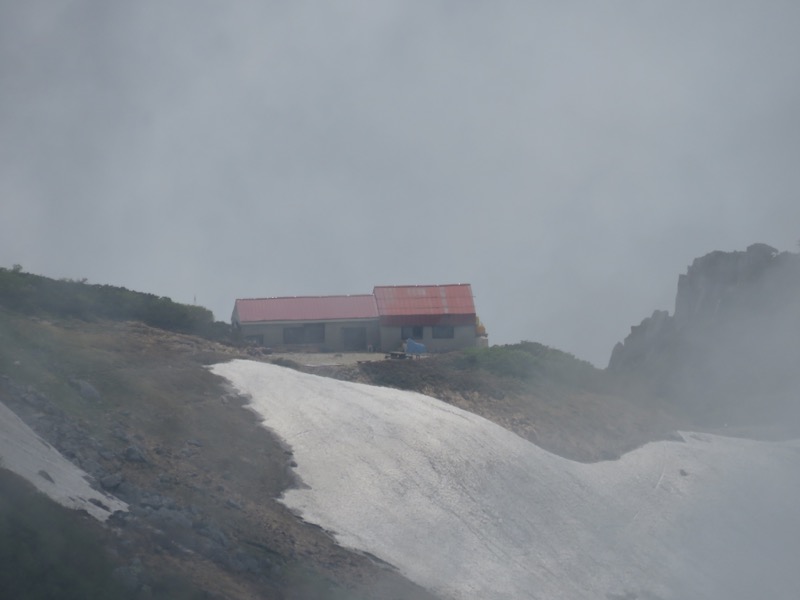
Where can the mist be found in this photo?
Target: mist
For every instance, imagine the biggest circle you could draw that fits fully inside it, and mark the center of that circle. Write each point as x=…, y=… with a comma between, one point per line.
x=728, y=355
x=567, y=161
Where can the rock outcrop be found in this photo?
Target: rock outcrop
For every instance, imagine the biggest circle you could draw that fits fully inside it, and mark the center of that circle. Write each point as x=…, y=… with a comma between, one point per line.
x=731, y=349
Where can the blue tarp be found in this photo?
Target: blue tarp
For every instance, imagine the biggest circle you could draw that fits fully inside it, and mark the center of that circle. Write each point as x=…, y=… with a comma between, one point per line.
x=413, y=347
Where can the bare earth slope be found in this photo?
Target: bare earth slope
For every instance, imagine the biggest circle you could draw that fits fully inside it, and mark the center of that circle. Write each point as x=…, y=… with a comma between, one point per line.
x=136, y=408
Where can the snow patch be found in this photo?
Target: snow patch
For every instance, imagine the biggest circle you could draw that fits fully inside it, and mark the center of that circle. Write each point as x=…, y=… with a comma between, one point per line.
x=471, y=510
x=28, y=455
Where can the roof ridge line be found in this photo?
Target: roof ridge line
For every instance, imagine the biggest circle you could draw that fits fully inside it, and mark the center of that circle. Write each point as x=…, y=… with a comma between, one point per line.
x=309, y=296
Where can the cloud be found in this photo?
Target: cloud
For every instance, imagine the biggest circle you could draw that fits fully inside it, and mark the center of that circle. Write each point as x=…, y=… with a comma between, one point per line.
x=568, y=161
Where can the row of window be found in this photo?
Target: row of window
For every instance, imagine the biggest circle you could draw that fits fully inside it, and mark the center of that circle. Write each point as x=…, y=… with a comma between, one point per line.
x=438, y=332
x=353, y=336
x=315, y=333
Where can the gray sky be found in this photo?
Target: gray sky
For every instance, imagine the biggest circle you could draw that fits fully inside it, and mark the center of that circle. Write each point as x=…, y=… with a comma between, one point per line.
x=568, y=160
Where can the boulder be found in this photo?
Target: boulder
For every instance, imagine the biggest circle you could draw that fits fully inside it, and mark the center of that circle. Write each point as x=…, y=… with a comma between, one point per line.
x=134, y=454
x=85, y=389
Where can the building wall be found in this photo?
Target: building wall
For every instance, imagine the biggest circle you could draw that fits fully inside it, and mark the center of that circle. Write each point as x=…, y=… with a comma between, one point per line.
x=335, y=331
x=385, y=338
x=271, y=335
x=463, y=337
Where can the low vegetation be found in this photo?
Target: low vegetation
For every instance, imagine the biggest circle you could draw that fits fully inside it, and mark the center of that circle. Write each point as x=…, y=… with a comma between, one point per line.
x=37, y=295
x=528, y=361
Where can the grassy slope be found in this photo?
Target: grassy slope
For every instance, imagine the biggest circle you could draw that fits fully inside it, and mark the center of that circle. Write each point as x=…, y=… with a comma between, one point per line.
x=203, y=451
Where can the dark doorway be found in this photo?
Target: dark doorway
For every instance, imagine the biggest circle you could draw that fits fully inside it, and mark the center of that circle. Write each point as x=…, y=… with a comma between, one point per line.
x=354, y=338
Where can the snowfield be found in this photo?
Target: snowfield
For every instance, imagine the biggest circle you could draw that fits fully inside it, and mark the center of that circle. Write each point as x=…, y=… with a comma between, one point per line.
x=470, y=510
x=28, y=455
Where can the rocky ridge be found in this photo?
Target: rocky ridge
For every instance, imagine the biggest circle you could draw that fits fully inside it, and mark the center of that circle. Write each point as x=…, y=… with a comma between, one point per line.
x=729, y=351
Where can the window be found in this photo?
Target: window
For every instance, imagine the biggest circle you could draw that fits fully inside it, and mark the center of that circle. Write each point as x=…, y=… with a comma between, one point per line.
x=444, y=332
x=314, y=334
x=292, y=335
x=411, y=331
x=354, y=338
x=304, y=334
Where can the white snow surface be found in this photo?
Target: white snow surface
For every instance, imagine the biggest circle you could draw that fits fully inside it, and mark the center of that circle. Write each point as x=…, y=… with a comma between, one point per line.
x=28, y=455
x=470, y=510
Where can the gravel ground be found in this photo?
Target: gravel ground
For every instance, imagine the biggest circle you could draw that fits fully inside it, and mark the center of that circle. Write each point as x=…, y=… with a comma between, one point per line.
x=326, y=359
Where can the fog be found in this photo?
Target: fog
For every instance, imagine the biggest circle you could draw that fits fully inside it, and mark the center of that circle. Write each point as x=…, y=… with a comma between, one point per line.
x=729, y=354
x=568, y=161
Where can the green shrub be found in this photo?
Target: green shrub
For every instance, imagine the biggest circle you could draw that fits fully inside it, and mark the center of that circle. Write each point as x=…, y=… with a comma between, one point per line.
x=34, y=294
x=530, y=360
x=500, y=360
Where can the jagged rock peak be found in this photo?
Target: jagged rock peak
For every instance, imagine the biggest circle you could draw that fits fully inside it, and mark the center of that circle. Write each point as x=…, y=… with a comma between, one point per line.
x=713, y=281
x=718, y=288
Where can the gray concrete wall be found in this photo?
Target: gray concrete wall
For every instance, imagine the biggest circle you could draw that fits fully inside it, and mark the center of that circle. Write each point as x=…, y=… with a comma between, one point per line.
x=383, y=338
x=463, y=337
x=271, y=334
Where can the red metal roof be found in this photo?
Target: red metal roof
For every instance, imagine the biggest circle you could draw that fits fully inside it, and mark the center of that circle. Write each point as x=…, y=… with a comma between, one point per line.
x=424, y=300
x=306, y=308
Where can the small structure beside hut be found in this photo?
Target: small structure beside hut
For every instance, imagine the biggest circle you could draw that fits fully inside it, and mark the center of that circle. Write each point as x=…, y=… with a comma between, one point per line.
x=442, y=317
